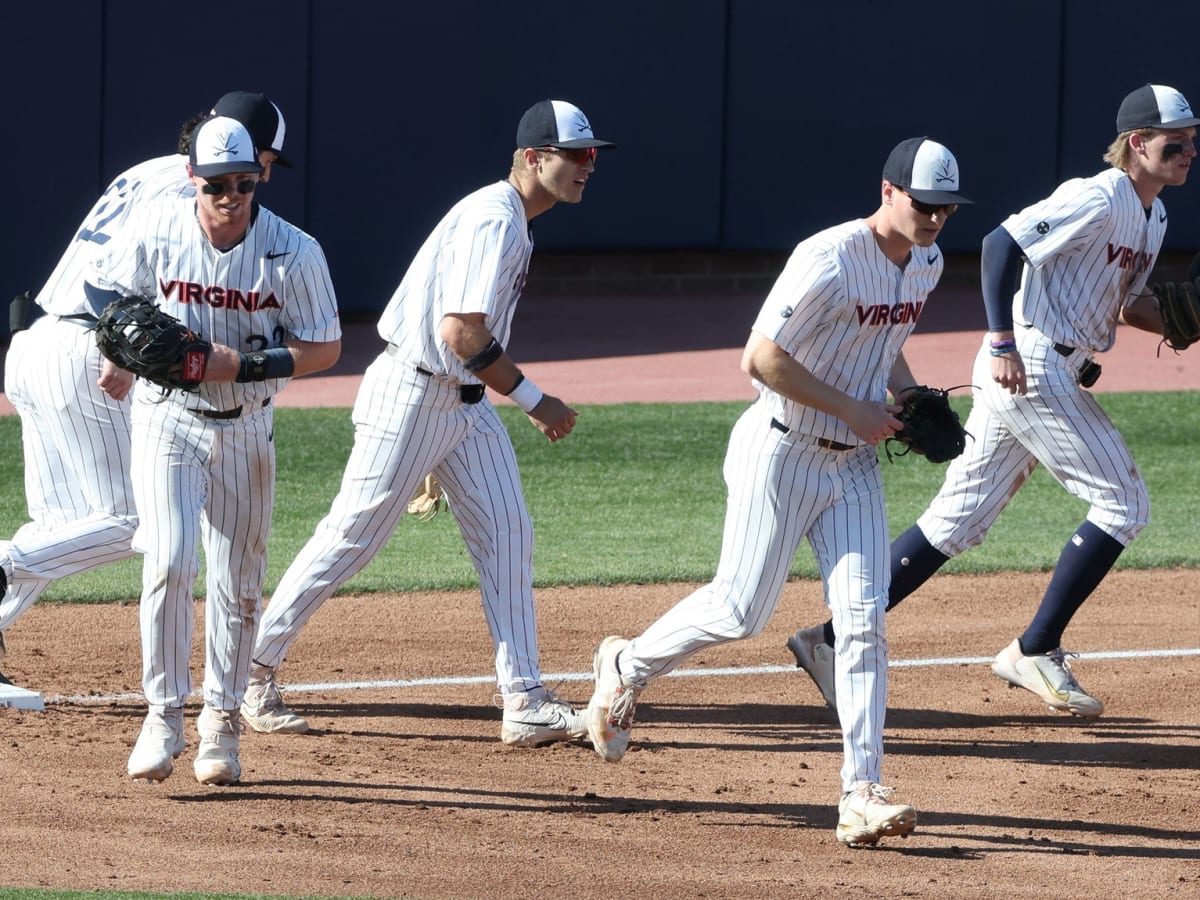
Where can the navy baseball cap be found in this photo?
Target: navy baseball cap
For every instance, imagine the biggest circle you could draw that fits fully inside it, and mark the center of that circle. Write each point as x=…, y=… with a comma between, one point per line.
x=222, y=146
x=925, y=170
x=1155, y=106
x=262, y=117
x=556, y=123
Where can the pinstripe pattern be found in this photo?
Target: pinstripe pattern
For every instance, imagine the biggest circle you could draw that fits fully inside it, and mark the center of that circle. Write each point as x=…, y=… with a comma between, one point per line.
x=209, y=482
x=475, y=261
x=75, y=437
x=842, y=310
x=1056, y=423
x=1090, y=247
x=407, y=424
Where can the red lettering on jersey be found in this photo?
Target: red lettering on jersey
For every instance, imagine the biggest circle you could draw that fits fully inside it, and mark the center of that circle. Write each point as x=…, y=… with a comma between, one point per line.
x=882, y=314
x=241, y=301
x=1128, y=258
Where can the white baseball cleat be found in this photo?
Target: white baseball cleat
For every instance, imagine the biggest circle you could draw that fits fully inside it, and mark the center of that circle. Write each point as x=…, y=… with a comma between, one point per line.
x=217, y=759
x=536, y=717
x=1049, y=676
x=815, y=657
x=263, y=709
x=614, y=701
x=159, y=743
x=865, y=816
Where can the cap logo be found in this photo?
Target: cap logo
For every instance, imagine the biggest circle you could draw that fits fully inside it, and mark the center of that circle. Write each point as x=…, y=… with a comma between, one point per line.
x=581, y=124
x=229, y=148
x=946, y=173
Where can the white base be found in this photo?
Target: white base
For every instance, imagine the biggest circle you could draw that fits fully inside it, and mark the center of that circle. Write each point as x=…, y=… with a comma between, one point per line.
x=21, y=698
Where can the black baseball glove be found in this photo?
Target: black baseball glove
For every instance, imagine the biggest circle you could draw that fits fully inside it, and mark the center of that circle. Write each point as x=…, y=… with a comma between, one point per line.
x=139, y=337
x=1179, y=305
x=931, y=427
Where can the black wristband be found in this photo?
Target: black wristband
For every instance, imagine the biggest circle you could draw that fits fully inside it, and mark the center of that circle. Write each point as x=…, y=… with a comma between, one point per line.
x=485, y=357
x=277, y=362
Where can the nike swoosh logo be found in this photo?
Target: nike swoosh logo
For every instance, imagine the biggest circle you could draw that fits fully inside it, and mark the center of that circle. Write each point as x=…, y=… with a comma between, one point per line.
x=932, y=259
x=1162, y=217
x=1063, y=696
x=277, y=255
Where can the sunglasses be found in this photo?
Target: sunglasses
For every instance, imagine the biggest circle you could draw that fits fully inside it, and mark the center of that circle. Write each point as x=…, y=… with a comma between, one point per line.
x=928, y=209
x=579, y=155
x=217, y=188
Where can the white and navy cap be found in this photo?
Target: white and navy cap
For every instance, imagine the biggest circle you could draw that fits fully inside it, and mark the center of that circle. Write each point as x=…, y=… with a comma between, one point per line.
x=221, y=146
x=1155, y=106
x=926, y=171
x=556, y=123
x=262, y=117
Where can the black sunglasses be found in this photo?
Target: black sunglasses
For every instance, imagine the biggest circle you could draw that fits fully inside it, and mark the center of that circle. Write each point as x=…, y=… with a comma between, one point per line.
x=928, y=209
x=217, y=188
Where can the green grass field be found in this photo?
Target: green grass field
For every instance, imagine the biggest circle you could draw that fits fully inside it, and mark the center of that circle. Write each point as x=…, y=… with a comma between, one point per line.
x=635, y=496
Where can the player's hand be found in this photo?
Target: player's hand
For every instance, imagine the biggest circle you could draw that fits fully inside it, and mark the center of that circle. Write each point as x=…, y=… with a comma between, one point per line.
x=873, y=422
x=1008, y=371
x=553, y=418
x=114, y=380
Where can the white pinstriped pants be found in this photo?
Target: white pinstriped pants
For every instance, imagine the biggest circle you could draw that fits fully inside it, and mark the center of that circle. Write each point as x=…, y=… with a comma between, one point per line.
x=783, y=488
x=196, y=481
x=406, y=425
x=76, y=448
x=1056, y=423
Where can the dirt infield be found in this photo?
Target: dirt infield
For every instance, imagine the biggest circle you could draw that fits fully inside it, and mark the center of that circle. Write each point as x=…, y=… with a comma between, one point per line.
x=729, y=788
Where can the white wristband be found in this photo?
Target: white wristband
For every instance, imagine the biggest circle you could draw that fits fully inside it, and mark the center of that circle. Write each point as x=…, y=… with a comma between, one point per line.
x=526, y=394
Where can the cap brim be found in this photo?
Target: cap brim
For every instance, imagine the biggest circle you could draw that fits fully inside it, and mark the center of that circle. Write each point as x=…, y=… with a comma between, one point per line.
x=581, y=144
x=938, y=197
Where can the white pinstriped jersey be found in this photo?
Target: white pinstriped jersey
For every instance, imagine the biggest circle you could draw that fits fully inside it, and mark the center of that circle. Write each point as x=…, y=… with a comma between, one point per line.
x=843, y=310
x=475, y=261
x=272, y=285
x=1090, y=247
x=163, y=176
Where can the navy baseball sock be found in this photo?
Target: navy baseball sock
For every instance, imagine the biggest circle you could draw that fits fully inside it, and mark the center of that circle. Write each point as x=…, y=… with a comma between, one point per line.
x=914, y=560
x=1084, y=562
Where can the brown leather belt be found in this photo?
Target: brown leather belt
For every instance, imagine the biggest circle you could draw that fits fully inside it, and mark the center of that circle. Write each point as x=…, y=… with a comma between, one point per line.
x=820, y=442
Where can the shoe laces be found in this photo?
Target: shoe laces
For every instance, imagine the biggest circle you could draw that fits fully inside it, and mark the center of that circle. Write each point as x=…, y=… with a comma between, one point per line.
x=622, y=707
x=1059, y=656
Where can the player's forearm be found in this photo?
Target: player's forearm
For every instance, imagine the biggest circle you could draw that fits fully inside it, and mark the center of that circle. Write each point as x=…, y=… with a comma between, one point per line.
x=768, y=363
x=1000, y=265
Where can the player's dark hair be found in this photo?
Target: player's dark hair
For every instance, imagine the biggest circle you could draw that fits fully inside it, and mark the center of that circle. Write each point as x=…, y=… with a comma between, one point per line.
x=185, y=132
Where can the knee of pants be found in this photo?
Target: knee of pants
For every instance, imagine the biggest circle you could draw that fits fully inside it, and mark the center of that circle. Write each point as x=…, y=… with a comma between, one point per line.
x=1124, y=523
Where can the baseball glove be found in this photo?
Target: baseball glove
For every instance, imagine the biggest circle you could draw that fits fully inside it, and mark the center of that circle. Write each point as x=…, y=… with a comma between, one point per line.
x=1179, y=305
x=139, y=337
x=430, y=499
x=931, y=427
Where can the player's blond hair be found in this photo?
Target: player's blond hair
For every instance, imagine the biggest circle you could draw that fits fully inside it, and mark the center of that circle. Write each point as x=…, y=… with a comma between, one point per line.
x=1117, y=154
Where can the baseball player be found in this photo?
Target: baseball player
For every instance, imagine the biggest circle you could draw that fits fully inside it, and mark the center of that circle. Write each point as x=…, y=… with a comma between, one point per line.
x=75, y=436
x=203, y=463
x=1056, y=279
x=824, y=352
x=421, y=409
